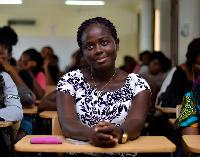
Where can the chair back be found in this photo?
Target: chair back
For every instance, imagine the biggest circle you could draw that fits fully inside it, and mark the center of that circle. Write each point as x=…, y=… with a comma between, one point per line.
x=49, y=89
x=56, y=129
x=178, y=110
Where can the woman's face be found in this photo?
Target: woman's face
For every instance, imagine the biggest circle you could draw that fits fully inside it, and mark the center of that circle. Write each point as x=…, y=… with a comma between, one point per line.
x=155, y=67
x=4, y=52
x=24, y=60
x=196, y=66
x=99, y=47
x=145, y=59
x=46, y=53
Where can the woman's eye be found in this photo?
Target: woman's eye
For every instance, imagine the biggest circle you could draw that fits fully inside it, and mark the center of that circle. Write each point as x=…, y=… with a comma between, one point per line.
x=89, y=47
x=104, y=42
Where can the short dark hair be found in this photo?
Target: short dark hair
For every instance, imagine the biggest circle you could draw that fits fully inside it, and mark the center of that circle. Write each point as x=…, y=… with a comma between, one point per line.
x=50, y=48
x=7, y=33
x=157, y=55
x=35, y=56
x=144, y=53
x=165, y=62
x=96, y=20
x=5, y=42
x=193, y=50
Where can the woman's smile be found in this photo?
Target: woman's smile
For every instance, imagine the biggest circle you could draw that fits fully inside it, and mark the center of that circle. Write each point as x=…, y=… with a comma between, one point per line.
x=101, y=60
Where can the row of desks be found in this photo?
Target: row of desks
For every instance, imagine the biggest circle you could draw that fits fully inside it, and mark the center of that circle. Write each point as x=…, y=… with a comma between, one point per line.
x=35, y=110
x=144, y=144
x=166, y=109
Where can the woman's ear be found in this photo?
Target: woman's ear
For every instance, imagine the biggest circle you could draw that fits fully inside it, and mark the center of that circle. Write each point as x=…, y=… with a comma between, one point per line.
x=80, y=51
x=117, y=44
x=9, y=56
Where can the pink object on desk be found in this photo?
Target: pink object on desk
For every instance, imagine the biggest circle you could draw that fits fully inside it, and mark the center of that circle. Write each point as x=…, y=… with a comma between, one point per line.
x=45, y=140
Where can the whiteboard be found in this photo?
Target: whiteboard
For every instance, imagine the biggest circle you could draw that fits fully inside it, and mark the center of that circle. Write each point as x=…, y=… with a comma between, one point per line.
x=63, y=47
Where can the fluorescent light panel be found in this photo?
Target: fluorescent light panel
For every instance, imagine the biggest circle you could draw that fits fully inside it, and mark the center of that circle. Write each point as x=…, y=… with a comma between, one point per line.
x=10, y=1
x=84, y=2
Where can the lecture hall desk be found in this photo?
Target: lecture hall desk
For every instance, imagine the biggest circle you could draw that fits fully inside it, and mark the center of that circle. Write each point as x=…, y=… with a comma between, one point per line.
x=192, y=142
x=48, y=114
x=171, y=121
x=33, y=110
x=166, y=109
x=143, y=144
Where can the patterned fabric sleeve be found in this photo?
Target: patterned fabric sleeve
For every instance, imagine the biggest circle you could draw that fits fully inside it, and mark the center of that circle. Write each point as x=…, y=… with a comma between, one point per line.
x=67, y=83
x=188, y=115
x=138, y=83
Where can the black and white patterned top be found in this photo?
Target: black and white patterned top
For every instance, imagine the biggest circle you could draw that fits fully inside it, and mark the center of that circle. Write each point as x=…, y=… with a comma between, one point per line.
x=111, y=107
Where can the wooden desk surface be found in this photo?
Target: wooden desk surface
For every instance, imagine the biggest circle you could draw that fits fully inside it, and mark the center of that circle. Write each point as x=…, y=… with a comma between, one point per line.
x=5, y=124
x=144, y=144
x=33, y=110
x=37, y=102
x=166, y=109
x=171, y=121
x=192, y=142
x=48, y=114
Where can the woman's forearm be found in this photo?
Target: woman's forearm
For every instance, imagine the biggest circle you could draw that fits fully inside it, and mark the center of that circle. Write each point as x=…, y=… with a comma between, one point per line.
x=74, y=129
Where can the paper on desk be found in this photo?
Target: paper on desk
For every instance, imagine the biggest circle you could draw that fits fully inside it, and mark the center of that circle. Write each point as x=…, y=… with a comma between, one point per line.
x=76, y=142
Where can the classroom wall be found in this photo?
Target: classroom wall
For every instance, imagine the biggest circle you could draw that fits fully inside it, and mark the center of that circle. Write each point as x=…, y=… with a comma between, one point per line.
x=146, y=26
x=56, y=23
x=165, y=26
x=189, y=21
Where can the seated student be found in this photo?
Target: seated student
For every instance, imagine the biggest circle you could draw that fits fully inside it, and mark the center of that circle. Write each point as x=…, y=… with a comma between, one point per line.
x=180, y=82
x=155, y=75
x=8, y=37
x=49, y=102
x=180, y=79
x=72, y=65
x=32, y=61
x=144, y=59
x=10, y=108
x=189, y=115
x=50, y=66
x=101, y=103
x=129, y=64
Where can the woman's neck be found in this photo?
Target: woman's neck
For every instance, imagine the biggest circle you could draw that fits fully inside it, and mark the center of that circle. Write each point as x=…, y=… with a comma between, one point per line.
x=188, y=71
x=102, y=75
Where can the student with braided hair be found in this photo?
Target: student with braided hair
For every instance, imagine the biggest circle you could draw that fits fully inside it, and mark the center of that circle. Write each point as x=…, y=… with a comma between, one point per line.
x=101, y=104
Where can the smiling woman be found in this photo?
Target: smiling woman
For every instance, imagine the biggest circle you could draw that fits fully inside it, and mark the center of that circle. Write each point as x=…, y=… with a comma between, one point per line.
x=102, y=101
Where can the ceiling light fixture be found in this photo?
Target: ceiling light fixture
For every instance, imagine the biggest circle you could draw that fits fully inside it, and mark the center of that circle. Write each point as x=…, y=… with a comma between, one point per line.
x=10, y=1
x=84, y=2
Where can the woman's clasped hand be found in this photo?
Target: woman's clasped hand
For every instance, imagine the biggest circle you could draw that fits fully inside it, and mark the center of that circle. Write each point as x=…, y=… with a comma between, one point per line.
x=106, y=135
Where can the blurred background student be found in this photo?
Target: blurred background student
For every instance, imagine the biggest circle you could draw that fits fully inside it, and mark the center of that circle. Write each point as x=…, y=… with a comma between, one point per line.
x=32, y=61
x=8, y=37
x=50, y=65
x=156, y=73
x=181, y=78
x=49, y=102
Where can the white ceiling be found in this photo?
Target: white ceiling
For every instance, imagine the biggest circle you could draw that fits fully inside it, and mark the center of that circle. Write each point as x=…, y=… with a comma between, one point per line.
x=107, y=2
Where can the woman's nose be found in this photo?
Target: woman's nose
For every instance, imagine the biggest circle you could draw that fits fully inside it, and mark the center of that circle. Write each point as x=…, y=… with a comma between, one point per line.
x=98, y=49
